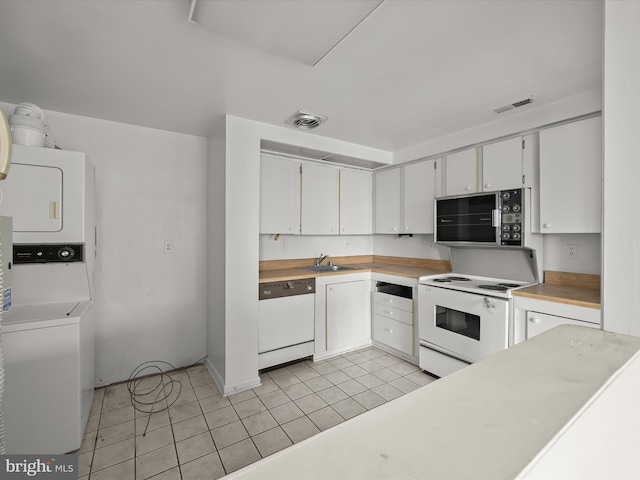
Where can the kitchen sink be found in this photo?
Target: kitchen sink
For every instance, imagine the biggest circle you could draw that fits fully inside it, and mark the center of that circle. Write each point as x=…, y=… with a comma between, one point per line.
x=328, y=268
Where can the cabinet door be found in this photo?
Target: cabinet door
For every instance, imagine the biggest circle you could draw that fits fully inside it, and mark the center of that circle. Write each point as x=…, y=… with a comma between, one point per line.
x=541, y=322
x=419, y=192
x=279, y=195
x=461, y=172
x=570, y=177
x=32, y=195
x=348, y=315
x=356, y=203
x=319, y=200
x=502, y=165
x=387, y=201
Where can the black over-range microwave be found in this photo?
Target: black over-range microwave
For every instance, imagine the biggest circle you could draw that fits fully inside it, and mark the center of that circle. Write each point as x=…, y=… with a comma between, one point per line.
x=482, y=219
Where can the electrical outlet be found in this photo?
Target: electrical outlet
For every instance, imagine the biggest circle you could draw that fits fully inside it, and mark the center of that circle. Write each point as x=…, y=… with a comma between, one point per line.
x=168, y=246
x=347, y=244
x=572, y=250
x=284, y=243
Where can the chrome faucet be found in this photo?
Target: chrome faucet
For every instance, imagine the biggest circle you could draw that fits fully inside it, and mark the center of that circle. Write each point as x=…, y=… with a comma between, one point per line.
x=320, y=258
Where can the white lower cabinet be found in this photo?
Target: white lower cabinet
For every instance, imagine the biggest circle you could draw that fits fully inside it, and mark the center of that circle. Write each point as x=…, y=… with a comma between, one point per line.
x=343, y=314
x=391, y=332
x=533, y=316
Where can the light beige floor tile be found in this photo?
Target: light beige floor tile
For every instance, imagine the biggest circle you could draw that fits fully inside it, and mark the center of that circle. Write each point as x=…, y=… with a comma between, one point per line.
x=84, y=463
x=173, y=474
x=371, y=366
x=116, y=390
x=403, y=384
x=229, y=434
x=259, y=423
x=215, y=402
x=155, y=420
x=332, y=395
x=373, y=354
x=348, y=408
x=273, y=399
x=241, y=397
x=189, y=428
x=326, y=418
x=340, y=362
x=184, y=412
x=318, y=383
x=220, y=417
x=113, y=454
x=153, y=440
x=115, y=434
x=337, y=377
x=386, y=391
x=114, y=417
x=352, y=387
x=305, y=373
x=286, y=412
x=356, y=358
x=323, y=368
x=195, y=447
x=249, y=407
x=207, y=467
x=369, y=399
x=285, y=379
x=121, y=471
x=387, y=360
x=267, y=386
x=370, y=381
x=355, y=371
x=207, y=390
x=199, y=380
x=420, y=378
x=156, y=462
x=310, y=403
x=197, y=370
x=114, y=403
x=96, y=405
x=88, y=443
x=300, y=429
x=386, y=375
x=271, y=441
x=180, y=397
x=297, y=390
x=403, y=368
x=239, y=455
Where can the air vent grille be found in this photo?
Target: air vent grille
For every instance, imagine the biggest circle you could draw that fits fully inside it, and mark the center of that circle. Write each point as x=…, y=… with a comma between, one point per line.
x=511, y=106
x=305, y=120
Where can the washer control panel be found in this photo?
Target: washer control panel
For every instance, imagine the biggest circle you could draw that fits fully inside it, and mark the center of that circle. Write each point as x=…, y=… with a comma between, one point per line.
x=60, y=253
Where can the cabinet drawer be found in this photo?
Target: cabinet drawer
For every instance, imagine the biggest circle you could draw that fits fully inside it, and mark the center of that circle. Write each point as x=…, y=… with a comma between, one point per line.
x=393, y=313
x=541, y=322
x=395, y=334
x=393, y=300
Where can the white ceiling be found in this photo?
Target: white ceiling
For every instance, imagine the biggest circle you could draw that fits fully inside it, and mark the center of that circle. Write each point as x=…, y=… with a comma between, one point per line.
x=412, y=71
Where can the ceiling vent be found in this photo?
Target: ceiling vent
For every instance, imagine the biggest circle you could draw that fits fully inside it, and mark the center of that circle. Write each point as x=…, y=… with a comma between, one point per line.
x=511, y=106
x=305, y=120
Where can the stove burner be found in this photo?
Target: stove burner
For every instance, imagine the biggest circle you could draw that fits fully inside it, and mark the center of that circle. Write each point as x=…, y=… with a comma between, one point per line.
x=442, y=280
x=497, y=288
x=458, y=279
x=509, y=285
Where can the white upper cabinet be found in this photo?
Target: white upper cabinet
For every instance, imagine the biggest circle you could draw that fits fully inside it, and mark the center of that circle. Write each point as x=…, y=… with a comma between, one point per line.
x=320, y=198
x=419, y=192
x=502, y=165
x=461, y=174
x=279, y=195
x=570, y=177
x=356, y=202
x=387, y=201
x=404, y=198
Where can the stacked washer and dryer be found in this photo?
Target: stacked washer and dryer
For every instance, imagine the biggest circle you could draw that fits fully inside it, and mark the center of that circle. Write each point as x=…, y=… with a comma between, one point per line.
x=48, y=334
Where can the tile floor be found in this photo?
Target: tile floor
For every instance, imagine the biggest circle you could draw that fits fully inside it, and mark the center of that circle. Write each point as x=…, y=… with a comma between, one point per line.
x=205, y=435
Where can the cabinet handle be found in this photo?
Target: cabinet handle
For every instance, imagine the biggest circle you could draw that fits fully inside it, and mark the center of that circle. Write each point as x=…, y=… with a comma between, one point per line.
x=487, y=185
x=291, y=229
x=468, y=189
x=333, y=229
x=54, y=211
x=390, y=300
x=388, y=330
x=534, y=320
x=406, y=228
x=388, y=312
x=343, y=230
x=547, y=225
x=394, y=229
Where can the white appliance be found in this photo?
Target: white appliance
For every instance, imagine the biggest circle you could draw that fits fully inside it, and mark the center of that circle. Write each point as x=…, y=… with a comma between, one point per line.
x=465, y=317
x=48, y=334
x=286, y=327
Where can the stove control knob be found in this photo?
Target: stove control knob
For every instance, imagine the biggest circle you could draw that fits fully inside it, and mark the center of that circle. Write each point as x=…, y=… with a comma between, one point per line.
x=516, y=228
x=506, y=208
x=506, y=196
x=516, y=236
x=506, y=236
x=516, y=208
x=66, y=253
x=506, y=228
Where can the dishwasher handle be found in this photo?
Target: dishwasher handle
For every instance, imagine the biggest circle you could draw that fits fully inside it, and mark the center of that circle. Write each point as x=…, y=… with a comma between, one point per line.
x=289, y=288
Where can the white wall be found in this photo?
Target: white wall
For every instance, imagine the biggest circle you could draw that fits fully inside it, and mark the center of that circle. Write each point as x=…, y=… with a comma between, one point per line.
x=621, y=255
x=150, y=187
x=589, y=253
x=309, y=246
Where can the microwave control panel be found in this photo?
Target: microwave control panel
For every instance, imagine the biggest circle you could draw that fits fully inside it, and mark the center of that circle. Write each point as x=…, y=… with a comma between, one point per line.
x=511, y=207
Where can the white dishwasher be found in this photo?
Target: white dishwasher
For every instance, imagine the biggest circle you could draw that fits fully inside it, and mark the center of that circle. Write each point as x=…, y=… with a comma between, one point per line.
x=286, y=323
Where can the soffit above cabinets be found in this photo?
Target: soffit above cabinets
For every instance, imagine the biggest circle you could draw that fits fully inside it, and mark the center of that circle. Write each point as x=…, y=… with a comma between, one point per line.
x=318, y=155
x=303, y=31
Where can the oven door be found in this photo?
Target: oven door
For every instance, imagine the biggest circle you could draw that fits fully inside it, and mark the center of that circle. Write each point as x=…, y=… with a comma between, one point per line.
x=464, y=325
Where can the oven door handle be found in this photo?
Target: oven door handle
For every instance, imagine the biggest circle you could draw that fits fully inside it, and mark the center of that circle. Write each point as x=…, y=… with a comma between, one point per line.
x=488, y=303
x=495, y=218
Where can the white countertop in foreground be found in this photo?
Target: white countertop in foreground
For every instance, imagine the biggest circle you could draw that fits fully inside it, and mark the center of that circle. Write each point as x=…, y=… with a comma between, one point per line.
x=488, y=420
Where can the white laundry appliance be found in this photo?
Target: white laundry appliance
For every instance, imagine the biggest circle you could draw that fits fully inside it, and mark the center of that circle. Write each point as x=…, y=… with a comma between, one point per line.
x=48, y=333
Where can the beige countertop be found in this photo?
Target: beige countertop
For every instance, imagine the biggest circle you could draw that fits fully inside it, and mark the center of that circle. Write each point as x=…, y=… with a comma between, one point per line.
x=570, y=288
x=489, y=420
